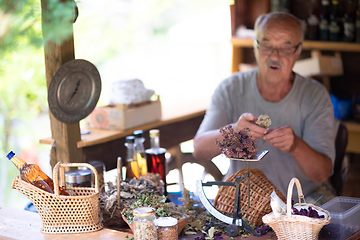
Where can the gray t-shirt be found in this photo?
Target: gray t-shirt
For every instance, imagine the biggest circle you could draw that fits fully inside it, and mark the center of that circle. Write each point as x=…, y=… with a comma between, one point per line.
x=307, y=109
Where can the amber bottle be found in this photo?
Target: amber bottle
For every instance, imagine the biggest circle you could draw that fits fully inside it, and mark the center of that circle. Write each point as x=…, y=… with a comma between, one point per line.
x=132, y=167
x=33, y=174
x=140, y=152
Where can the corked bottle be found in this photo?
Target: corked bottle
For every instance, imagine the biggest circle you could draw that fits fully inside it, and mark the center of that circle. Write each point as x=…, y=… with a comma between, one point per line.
x=144, y=226
x=167, y=228
x=33, y=174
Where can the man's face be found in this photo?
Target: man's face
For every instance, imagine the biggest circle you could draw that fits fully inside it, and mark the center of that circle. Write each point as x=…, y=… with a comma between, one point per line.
x=274, y=52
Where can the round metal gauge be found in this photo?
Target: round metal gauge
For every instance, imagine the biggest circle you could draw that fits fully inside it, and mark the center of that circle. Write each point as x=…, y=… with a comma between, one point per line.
x=74, y=91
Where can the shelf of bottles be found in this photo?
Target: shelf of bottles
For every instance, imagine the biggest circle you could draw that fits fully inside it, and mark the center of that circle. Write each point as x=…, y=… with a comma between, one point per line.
x=307, y=45
x=327, y=29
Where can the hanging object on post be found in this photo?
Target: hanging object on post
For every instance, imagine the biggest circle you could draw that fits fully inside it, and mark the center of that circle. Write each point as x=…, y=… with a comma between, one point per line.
x=74, y=91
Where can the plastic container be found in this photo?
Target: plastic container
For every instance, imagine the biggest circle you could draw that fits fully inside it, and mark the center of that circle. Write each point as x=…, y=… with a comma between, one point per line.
x=345, y=218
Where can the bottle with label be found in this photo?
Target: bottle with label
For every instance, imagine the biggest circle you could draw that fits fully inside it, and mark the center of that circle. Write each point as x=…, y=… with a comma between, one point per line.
x=357, y=24
x=313, y=21
x=33, y=174
x=156, y=161
x=349, y=22
x=324, y=21
x=132, y=167
x=140, y=152
x=335, y=22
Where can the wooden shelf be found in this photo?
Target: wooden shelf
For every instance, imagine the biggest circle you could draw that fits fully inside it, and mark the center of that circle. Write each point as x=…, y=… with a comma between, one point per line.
x=307, y=45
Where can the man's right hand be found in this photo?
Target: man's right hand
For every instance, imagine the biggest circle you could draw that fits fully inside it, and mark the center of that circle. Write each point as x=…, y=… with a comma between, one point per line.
x=247, y=120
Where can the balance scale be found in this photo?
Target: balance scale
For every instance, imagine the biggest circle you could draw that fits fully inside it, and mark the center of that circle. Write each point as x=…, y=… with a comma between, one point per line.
x=234, y=222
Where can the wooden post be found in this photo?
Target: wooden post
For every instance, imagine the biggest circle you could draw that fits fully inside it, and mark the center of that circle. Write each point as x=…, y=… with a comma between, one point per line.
x=65, y=136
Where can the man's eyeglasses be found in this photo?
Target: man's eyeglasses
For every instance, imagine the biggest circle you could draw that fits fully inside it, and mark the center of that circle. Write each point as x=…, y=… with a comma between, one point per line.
x=283, y=52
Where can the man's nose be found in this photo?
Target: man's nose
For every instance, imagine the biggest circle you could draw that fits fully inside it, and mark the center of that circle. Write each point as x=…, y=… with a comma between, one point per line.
x=275, y=53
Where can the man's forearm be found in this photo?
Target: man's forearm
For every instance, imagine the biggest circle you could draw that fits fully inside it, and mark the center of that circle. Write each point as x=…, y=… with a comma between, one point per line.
x=316, y=166
x=205, y=147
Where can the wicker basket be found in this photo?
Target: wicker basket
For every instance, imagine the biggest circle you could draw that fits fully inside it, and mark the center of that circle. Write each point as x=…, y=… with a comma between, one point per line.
x=78, y=213
x=296, y=226
x=260, y=191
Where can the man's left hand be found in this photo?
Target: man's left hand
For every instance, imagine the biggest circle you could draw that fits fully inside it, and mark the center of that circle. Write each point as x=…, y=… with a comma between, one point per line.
x=283, y=138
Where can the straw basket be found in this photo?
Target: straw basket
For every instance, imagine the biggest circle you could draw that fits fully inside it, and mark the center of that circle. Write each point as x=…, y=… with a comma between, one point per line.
x=297, y=226
x=260, y=196
x=78, y=213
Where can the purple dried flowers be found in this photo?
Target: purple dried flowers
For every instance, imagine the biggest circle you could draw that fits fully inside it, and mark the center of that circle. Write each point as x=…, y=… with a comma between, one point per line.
x=236, y=144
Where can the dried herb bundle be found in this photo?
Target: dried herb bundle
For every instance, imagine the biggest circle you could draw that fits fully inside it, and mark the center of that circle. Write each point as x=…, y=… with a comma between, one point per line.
x=236, y=144
x=163, y=209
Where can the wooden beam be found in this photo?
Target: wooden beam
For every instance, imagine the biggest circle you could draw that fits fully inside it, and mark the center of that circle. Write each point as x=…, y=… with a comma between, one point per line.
x=65, y=136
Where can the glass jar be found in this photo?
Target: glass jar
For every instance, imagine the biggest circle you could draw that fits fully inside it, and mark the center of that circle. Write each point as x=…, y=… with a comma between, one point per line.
x=167, y=228
x=78, y=178
x=144, y=225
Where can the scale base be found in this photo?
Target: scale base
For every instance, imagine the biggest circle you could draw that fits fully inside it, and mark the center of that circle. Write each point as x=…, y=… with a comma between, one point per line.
x=232, y=230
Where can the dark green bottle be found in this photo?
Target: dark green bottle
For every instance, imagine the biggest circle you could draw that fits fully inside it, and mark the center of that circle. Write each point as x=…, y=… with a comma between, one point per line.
x=324, y=21
x=335, y=22
x=357, y=23
x=349, y=22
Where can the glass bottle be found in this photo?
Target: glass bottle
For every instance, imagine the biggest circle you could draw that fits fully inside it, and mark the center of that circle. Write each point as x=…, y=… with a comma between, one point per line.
x=33, y=174
x=313, y=21
x=132, y=167
x=140, y=152
x=335, y=22
x=144, y=226
x=324, y=21
x=357, y=24
x=156, y=161
x=349, y=22
x=167, y=228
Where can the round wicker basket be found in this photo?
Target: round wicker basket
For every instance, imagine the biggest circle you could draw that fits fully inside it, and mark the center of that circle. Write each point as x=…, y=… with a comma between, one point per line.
x=260, y=196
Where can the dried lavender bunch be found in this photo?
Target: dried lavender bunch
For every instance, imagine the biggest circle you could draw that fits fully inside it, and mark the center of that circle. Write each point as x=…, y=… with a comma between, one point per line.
x=236, y=144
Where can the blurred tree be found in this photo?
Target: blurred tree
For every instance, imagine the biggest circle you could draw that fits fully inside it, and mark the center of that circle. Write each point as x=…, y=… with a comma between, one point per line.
x=23, y=84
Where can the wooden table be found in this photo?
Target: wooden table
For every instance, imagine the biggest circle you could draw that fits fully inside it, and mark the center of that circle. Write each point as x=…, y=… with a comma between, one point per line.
x=22, y=224
x=179, y=123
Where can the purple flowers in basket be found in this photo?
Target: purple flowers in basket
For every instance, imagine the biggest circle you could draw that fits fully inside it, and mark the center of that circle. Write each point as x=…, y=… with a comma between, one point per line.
x=310, y=212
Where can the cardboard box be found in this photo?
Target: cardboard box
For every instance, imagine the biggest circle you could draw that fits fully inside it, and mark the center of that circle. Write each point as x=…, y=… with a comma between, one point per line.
x=319, y=65
x=122, y=117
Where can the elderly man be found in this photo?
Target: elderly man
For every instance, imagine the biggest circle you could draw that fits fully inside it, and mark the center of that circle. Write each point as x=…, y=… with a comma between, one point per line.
x=301, y=138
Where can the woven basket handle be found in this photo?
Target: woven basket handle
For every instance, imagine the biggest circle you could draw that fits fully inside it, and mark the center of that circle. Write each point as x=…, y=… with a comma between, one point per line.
x=64, y=165
x=289, y=194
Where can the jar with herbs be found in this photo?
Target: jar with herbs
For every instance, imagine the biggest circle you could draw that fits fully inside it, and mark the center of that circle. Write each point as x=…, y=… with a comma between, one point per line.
x=167, y=228
x=144, y=225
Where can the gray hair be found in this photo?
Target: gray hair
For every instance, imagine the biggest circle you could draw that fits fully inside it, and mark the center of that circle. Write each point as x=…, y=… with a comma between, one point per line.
x=264, y=17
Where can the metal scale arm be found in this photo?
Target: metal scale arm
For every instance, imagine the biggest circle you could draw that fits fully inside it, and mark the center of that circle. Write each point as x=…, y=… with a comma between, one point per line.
x=232, y=222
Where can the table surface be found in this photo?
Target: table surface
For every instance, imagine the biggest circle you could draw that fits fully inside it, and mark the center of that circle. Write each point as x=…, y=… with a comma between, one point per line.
x=22, y=224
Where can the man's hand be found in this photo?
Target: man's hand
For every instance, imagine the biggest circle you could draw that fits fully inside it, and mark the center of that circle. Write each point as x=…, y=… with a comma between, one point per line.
x=247, y=120
x=283, y=138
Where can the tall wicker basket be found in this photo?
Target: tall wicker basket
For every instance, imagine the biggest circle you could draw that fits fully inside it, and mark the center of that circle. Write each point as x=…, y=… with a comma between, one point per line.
x=260, y=196
x=78, y=213
x=297, y=227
